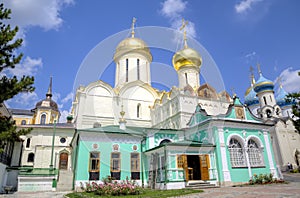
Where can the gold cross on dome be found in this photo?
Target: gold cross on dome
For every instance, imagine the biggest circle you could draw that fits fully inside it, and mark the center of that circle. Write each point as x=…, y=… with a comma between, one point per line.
x=252, y=80
x=258, y=68
x=233, y=91
x=279, y=80
x=251, y=70
x=183, y=27
x=132, y=26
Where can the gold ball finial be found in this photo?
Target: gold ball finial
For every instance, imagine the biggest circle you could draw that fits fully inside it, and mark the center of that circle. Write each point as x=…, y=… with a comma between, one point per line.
x=122, y=113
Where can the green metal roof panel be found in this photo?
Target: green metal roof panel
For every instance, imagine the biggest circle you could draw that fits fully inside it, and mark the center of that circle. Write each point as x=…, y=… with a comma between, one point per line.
x=30, y=172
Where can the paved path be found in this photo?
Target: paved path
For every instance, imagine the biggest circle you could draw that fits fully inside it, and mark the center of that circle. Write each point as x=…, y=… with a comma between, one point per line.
x=290, y=190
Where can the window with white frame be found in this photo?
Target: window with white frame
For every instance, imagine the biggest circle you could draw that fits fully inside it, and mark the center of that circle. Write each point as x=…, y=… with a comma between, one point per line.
x=236, y=151
x=254, y=153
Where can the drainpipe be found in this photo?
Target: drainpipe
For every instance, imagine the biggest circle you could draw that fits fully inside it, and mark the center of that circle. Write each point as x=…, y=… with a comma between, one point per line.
x=52, y=150
x=75, y=159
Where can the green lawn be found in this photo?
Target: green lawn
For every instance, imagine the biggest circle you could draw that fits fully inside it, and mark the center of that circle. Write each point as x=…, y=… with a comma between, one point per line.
x=146, y=194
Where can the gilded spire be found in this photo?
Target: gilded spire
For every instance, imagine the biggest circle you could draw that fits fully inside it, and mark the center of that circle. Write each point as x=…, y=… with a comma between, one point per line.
x=183, y=27
x=132, y=27
x=49, y=92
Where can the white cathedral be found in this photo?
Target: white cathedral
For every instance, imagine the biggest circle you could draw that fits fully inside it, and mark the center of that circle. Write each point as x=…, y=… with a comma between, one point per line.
x=145, y=106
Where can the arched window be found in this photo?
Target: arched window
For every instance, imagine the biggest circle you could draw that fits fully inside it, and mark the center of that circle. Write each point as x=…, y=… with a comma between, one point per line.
x=165, y=141
x=28, y=142
x=269, y=113
x=236, y=151
x=30, y=157
x=23, y=122
x=277, y=111
x=43, y=119
x=138, y=110
x=254, y=154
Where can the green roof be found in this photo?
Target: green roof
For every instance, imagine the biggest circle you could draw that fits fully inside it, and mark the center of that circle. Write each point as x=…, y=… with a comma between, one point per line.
x=142, y=131
x=31, y=172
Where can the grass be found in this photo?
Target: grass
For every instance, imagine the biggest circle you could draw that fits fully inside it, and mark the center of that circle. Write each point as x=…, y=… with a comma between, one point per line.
x=147, y=193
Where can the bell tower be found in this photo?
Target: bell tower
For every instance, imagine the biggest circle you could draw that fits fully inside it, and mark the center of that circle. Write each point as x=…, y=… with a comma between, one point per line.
x=264, y=89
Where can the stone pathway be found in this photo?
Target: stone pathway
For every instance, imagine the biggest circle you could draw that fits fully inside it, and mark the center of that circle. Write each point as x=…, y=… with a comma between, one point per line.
x=291, y=190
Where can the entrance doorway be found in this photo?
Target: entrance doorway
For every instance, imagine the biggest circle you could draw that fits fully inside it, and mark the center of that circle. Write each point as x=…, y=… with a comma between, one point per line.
x=63, y=161
x=196, y=167
x=193, y=163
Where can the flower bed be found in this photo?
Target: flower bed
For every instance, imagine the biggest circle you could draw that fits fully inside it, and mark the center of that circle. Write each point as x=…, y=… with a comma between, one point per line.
x=113, y=188
x=264, y=179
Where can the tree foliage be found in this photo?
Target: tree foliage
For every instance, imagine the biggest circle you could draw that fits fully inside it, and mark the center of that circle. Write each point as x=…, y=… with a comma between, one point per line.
x=295, y=99
x=10, y=86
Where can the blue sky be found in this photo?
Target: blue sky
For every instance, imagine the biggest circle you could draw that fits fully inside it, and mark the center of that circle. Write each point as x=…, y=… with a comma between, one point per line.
x=58, y=35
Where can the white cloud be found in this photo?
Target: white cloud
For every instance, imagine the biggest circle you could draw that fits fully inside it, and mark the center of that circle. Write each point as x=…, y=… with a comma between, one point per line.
x=290, y=80
x=69, y=97
x=45, y=13
x=63, y=116
x=23, y=100
x=173, y=8
x=245, y=5
x=30, y=13
x=250, y=55
x=56, y=97
x=27, y=67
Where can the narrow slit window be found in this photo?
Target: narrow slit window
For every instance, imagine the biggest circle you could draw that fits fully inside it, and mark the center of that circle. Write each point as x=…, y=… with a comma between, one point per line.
x=138, y=110
x=127, y=70
x=28, y=142
x=138, y=68
x=186, y=78
x=265, y=100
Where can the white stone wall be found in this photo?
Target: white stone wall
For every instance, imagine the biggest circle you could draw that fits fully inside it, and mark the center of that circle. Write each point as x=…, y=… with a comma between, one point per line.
x=176, y=112
x=41, y=146
x=29, y=184
x=288, y=142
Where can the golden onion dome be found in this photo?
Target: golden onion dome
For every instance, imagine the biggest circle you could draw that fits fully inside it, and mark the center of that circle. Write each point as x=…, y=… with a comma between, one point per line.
x=132, y=45
x=186, y=57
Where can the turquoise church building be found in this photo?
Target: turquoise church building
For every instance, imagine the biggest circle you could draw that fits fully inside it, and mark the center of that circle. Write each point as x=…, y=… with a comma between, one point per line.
x=221, y=150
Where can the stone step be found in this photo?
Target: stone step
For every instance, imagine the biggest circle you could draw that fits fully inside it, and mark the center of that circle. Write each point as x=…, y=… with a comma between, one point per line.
x=200, y=185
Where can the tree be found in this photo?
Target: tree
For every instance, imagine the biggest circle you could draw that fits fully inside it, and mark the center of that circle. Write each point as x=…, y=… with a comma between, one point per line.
x=294, y=98
x=10, y=86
